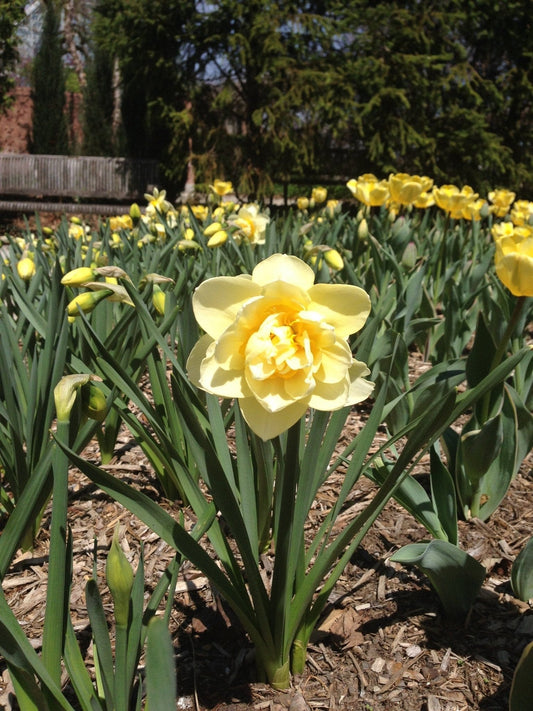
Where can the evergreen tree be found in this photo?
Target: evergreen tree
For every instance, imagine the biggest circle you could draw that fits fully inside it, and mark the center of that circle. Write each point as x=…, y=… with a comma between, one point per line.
x=97, y=116
x=49, y=121
x=11, y=13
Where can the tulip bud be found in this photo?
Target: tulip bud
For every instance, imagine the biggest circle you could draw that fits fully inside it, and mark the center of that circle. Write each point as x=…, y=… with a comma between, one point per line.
x=93, y=402
x=77, y=277
x=362, y=230
x=409, y=255
x=119, y=576
x=333, y=259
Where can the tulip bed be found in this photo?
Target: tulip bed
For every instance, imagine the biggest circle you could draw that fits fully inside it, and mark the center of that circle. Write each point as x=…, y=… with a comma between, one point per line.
x=258, y=359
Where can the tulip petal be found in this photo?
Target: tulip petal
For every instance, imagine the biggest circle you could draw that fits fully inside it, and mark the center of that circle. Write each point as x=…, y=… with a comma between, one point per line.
x=343, y=306
x=270, y=424
x=217, y=301
x=284, y=267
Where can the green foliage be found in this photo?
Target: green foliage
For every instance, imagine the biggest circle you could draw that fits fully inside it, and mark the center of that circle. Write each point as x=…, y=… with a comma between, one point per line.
x=49, y=121
x=11, y=13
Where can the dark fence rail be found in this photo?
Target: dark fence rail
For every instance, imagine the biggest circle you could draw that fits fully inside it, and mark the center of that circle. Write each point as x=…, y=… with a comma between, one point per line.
x=88, y=177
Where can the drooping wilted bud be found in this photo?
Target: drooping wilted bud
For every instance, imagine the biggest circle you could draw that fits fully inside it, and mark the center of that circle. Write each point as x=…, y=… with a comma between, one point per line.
x=119, y=576
x=65, y=393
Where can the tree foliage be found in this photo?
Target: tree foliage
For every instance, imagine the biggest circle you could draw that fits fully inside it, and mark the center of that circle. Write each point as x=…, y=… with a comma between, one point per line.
x=11, y=14
x=49, y=122
x=266, y=89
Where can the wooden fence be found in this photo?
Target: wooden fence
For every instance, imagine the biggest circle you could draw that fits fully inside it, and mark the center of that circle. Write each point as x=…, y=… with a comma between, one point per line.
x=88, y=177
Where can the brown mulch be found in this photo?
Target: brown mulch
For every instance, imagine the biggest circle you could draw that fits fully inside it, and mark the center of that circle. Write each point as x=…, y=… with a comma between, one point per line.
x=383, y=643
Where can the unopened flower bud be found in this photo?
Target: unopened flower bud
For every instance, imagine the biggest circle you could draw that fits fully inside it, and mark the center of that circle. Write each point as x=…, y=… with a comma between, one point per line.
x=334, y=259
x=135, y=213
x=119, y=576
x=362, y=230
x=87, y=301
x=217, y=239
x=26, y=268
x=77, y=277
x=93, y=402
x=409, y=255
x=158, y=300
x=65, y=393
x=212, y=229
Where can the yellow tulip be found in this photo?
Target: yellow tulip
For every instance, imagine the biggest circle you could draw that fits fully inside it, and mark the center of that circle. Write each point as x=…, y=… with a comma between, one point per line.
x=405, y=189
x=319, y=195
x=302, y=203
x=26, y=268
x=369, y=190
x=501, y=201
x=452, y=200
x=279, y=343
x=522, y=212
x=513, y=261
x=473, y=210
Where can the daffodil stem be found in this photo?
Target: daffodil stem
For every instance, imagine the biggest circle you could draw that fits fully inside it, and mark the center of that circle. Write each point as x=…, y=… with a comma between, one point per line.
x=285, y=560
x=57, y=591
x=500, y=350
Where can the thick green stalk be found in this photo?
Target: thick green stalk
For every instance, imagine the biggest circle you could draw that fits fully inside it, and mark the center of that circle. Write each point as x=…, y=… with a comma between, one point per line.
x=285, y=563
x=500, y=351
x=55, y=614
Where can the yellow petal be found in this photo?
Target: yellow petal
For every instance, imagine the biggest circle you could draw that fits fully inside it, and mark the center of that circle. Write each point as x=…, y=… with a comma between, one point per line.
x=336, y=360
x=217, y=301
x=270, y=424
x=330, y=396
x=284, y=267
x=205, y=372
x=343, y=306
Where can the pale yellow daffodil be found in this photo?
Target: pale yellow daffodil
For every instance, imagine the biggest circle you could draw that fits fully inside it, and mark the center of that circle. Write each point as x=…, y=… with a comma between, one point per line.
x=250, y=224
x=278, y=343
